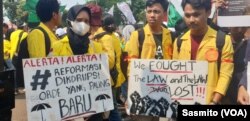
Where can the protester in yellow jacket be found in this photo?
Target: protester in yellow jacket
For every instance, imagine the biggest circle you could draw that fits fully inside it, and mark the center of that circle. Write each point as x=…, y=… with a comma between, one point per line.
x=62, y=48
x=199, y=43
x=6, y=49
x=149, y=45
x=157, y=43
x=111, y=45
x=107, y=44
x=16, y=38
x=77, y=42
x=215, y=82
x=50, y=18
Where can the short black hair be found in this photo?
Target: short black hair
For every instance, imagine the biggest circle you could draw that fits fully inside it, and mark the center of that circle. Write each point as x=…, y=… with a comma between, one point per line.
x=108, y=20
x=164, y=3
x=45, y=9
x=198, y=4
x=5, y=25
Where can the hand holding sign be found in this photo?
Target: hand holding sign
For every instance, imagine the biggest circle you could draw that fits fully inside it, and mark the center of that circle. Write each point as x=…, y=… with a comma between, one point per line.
x=156, y=87
x=221, y=4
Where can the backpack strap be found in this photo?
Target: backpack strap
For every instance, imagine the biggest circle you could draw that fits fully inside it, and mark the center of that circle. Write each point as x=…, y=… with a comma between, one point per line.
x=172, y=36
x=47, y=40
x=141, y=37
x=19, y=42
x=179, y=42
x=237, y=48
x=100, y=35
x=220, y=41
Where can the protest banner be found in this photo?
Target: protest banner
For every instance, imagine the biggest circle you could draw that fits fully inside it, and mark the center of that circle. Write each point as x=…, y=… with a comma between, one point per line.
x=156, y=87
x=125, y=9
x=233, y=16
x=69, y=87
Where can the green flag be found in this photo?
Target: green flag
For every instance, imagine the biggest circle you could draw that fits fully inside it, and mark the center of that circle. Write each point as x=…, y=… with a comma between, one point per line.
x=173, y=16
x=30, y=7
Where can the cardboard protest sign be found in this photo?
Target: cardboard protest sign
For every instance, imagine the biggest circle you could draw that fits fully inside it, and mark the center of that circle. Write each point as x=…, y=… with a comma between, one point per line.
x=64, y=88
x=232, y=16
x=156, y=87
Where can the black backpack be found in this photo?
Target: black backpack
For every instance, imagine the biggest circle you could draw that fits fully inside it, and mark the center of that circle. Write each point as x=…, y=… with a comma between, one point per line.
x=220, y=41
x=124, y=56
x=23, y=53
x=14, y=58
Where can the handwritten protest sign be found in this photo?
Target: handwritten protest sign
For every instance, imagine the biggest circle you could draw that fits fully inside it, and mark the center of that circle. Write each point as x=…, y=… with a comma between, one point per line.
x=63, y=88
x=156, y=86
x=227, y=17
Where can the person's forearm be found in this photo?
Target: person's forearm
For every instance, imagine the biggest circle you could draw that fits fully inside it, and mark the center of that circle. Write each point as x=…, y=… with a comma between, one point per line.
x=243, y=80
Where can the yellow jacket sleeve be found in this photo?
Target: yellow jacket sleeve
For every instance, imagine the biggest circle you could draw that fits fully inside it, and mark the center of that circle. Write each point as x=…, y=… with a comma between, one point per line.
x=107, y=46
x=6, y=49
x=133, y=51
x=132, y=48
x=36, y=44
x=57, y=49
x=95, y=47
x=14, y=41
x=226, y=68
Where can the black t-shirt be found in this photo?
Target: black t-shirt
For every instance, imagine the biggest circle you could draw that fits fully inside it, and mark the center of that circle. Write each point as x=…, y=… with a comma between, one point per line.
x=158, y=42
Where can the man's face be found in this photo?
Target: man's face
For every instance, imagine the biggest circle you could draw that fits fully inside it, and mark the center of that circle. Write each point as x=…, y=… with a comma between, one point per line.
x=247, y=33
x=196, y=19
x=57, y=18
x=155, y=14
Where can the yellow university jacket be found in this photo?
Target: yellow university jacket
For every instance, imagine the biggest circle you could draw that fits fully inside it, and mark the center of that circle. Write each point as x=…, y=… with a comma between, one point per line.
x=6, y=49
x=14, y=37
x=62, y=48
x=107, y=44
x=36, y=41
x=215, y=82
x=111, y=45
x=149, y=45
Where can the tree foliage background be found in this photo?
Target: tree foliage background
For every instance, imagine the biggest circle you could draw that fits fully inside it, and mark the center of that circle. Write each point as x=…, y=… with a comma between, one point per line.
x=14, y=10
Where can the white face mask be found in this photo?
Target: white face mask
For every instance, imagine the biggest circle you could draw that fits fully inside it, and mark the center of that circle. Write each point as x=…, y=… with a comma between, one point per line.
x=80, y=28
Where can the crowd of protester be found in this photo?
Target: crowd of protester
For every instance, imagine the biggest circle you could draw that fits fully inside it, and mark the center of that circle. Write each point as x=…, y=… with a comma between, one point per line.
x=89, y=31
